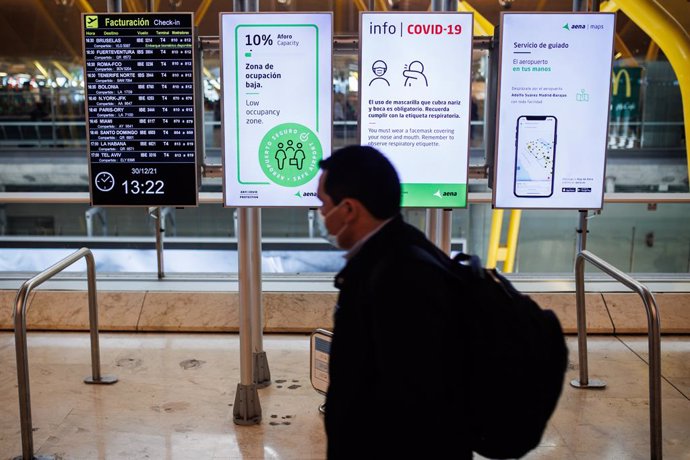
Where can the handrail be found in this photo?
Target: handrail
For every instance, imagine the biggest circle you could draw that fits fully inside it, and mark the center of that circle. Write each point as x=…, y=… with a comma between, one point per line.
x=22, y=349
x=654, y=340
x=217, y=197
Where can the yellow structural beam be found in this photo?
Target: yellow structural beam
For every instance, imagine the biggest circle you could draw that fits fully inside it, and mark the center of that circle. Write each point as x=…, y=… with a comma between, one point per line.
x=619, y=44
x=512, y=240
x=608, y=7
x=621, y=47
x=57, y=29
x=506, y=253
x=673, y=40
x=42, y=69
x=360, y=5
x=494, y=238
x=201, y=11
x=382, y=5
x=133, y=6
x=211, y=78
x=652, y=52
x=63, y=71
x=85, y=6
x=482, y=27
x=624, y=51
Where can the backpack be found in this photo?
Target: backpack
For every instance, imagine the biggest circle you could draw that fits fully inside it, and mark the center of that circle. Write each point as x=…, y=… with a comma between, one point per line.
x=517, y=360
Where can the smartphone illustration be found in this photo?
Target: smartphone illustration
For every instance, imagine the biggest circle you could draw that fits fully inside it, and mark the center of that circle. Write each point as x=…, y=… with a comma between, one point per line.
x=535, y=155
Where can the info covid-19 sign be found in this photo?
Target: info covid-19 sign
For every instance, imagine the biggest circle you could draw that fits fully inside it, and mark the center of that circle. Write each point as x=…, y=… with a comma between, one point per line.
x=276, y=72
x=415, y=101
x=555, y=80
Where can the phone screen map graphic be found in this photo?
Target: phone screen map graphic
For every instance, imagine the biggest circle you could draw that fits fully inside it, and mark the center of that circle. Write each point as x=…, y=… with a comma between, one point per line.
x=535, y=155
x=535, y=161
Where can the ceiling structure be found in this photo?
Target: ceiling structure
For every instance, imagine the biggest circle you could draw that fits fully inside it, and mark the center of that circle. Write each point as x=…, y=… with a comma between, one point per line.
x=48, y=31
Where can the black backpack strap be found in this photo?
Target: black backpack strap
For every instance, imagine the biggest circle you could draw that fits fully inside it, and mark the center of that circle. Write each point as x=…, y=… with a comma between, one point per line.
x=461, y=263
x=433, y=257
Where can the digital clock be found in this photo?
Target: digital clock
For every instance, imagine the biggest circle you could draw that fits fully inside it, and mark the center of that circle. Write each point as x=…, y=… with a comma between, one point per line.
x=149, y=187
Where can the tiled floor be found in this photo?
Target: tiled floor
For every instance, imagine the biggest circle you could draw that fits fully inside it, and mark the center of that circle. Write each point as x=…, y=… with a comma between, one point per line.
x=175, y=393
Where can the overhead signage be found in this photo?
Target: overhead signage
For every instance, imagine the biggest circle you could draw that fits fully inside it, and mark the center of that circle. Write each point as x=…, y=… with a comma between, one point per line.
x=140, y=105
x=554, y=92
x=277, y=75
x=415, y=75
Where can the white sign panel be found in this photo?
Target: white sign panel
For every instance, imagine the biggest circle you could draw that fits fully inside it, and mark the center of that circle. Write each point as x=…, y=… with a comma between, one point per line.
x=415, y=101
x=276, y=73
x=555, y=80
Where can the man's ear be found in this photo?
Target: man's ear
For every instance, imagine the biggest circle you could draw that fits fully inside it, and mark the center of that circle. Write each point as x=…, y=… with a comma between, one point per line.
x=353, y=209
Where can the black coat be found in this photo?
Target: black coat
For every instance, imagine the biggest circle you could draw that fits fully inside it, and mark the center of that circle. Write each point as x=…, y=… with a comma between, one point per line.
x=394, y=360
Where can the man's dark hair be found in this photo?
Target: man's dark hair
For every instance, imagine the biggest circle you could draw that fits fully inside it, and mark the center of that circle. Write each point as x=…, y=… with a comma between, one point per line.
x=363, y=173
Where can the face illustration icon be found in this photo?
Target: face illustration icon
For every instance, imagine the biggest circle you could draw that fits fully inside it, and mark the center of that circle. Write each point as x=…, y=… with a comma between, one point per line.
x=416, y=66
x=379, y=68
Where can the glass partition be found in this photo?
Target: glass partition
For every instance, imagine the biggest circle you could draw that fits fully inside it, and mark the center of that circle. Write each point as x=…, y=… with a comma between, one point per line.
x=43, y=149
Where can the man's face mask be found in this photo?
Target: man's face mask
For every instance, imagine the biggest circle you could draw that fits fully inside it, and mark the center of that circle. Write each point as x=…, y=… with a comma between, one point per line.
x=323, y=230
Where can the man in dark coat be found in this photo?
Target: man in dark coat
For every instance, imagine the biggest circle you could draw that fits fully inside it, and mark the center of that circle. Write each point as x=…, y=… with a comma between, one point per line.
x=394, y=361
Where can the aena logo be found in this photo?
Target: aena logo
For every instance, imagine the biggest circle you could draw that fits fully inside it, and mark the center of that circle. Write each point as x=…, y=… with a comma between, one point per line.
x=302, y=194
x=574, y=26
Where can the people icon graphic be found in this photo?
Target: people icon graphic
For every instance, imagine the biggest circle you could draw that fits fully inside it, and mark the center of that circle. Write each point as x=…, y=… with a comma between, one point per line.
x=289, y=154
x=299, y=156
x=295, y=153
x=291, y=150
x=414, y=73
x=379, y=68
x=280, y=156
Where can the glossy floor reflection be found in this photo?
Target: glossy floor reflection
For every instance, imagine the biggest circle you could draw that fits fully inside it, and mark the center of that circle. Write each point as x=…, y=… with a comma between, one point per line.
x=175, y=395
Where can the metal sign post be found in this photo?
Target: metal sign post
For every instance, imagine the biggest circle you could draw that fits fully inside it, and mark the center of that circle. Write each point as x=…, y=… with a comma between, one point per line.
x=442, y=219
x=247, y=408
x=262, y=373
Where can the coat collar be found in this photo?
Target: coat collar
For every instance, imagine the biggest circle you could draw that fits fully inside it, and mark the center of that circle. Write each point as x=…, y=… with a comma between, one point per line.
x=371, y=248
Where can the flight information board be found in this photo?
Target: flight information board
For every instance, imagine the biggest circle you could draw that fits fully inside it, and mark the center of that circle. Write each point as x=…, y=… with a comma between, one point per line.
x=139, y=81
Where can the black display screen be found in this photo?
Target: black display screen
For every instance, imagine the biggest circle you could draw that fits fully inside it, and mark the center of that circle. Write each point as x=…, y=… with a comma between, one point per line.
x=140, y=103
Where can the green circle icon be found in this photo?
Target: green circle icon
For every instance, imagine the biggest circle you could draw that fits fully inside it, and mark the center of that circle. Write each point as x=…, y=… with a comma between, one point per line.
x=289, y=154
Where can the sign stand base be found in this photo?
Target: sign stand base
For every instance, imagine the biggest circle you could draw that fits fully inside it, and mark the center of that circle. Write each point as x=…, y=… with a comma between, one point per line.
x=262, y=374
x=247, y=408
x=594, y=384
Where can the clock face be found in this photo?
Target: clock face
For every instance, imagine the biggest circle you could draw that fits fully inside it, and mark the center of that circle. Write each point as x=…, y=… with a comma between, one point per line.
x=104, y=181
